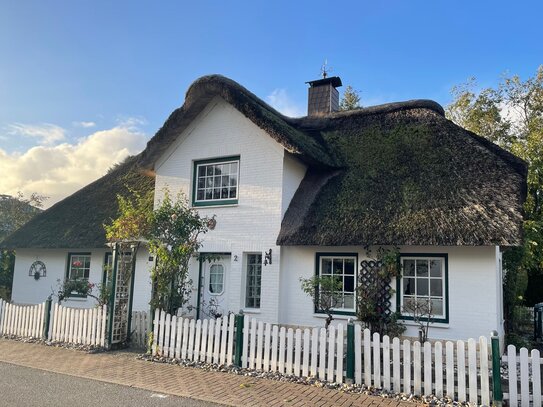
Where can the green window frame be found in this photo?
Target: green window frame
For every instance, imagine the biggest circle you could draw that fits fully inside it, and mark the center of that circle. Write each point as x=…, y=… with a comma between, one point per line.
x=253, y=280
x=77, y=268
x=424, y=276
x=344, y=266
x=216, y=181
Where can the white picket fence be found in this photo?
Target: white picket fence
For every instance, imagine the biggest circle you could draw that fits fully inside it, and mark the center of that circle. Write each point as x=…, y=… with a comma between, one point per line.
x=140, y=324
x=24, y=321
x=458, y=370
x=208, y=340
x=85, y=326
x=524, y=371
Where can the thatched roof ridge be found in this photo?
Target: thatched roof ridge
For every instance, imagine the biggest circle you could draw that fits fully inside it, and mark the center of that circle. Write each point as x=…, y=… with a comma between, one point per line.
x=77, y=221
x=278, y=126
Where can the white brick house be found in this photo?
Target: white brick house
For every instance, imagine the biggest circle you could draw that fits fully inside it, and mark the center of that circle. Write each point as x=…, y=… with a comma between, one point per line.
x=297, y=197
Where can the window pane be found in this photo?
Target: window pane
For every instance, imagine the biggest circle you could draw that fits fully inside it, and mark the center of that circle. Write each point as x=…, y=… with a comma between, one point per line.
x=232, y=192
x=348, y=301
x=422, y=287
x=409, y=286
x=435, y=268
x=409, y=267
x=326, y=266
x=216, y=193
x=422, y=268
x=217, y=182
x=233, y=181
x=201, y=182
x=436, y=288
x=209, y=170
x=437, y=307
x=338, y=266
x=200, y=194
x=201, y=171
x=348, y=284
x=349, y=266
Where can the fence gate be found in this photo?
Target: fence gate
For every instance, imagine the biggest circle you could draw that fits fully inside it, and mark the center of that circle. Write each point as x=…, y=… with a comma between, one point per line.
x=122, y=286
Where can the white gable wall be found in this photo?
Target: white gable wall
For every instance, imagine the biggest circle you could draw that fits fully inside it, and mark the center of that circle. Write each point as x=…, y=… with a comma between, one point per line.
x=473, y=289
x=254, y=223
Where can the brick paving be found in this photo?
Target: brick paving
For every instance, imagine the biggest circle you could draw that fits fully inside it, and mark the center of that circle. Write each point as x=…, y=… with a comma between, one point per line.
x=228, y=389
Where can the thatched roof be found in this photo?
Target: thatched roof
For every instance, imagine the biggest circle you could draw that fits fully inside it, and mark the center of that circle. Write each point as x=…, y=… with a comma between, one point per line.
x=396, y=174
x=77, y=221
x=399, y=174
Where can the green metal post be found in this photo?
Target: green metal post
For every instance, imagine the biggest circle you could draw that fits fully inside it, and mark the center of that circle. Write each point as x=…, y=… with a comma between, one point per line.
x=350, y=353
x=111, y=304
x=497, y=394
x=239, y=340
x=47, y=318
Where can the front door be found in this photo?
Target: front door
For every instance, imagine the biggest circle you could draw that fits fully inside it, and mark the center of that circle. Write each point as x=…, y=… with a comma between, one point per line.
x=213, y=295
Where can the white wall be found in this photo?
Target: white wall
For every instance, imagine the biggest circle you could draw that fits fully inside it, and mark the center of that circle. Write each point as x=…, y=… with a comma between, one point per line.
x=27, y=290
x=473, y=289
x=254, y=223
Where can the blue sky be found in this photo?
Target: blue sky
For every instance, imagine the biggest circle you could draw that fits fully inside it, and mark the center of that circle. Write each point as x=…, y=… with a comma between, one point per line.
x=71, y=69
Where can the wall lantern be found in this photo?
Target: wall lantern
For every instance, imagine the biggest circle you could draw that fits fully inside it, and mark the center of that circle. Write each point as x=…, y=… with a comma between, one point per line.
x=268, y=257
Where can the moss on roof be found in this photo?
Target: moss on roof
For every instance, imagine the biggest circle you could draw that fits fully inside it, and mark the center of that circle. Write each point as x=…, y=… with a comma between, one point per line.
x=77, y=221
x=410, y=177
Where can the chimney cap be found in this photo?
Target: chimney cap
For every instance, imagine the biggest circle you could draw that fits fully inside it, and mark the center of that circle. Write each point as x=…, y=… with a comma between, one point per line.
x=334, y=80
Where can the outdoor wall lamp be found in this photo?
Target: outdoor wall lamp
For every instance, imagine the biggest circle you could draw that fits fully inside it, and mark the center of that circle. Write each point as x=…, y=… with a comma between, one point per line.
x=268, y=257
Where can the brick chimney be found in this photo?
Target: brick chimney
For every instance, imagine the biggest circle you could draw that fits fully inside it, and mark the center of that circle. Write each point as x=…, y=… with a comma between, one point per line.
x=323, y=97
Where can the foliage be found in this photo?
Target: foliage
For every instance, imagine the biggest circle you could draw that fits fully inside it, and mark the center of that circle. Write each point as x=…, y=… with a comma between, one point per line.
x=421, y=310
x=326, y=293
x=511, y=115
x=350, y=99
x=82, y=287
x=14, y=213
x=174, y=238
x=369, y=302
x=172, y=231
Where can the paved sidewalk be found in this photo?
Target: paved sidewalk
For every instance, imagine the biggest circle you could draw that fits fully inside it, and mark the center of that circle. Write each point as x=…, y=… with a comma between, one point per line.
x=229, y=389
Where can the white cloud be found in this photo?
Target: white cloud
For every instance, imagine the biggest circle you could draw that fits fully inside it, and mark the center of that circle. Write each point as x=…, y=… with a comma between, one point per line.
x=84, y=124
x=46, y=133
x=280, y=100
x=60, y=170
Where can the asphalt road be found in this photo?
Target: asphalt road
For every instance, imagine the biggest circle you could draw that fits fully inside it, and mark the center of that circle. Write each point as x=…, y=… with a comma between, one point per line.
x=25, y=387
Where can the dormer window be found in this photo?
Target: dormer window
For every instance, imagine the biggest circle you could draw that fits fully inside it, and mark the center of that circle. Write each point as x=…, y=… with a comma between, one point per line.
x=216, y=182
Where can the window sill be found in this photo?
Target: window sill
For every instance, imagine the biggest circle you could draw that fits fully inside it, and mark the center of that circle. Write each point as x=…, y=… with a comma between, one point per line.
x=442, y=325
x=214, y=206
x=251, y=311
x=343, y=317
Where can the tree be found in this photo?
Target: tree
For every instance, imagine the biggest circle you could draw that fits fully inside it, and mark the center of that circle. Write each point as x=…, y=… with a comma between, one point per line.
x=326, y=293
x=15, y=211
x=172, y=231
x=511, y=115
x=350, y=99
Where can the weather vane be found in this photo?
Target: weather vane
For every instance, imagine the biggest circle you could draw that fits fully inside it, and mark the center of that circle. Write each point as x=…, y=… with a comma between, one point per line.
x=325, y=69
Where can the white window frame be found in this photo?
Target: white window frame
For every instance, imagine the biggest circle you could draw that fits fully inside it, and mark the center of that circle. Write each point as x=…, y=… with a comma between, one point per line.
x=246, y=273
x=444, y=276
x=342, y=256
x=214, y=201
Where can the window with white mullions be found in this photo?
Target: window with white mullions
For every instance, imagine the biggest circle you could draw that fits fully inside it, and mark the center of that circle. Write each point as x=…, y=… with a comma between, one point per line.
x=342, y=268
x=216, y=181
x=216, y=279
x=424, y=279
x=253, y=280
x=79, y=266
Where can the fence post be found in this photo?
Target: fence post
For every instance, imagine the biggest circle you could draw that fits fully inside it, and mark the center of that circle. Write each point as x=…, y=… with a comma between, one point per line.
x=239, y=339
x=350, y=353
x=47, y=318
x=497, y=394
